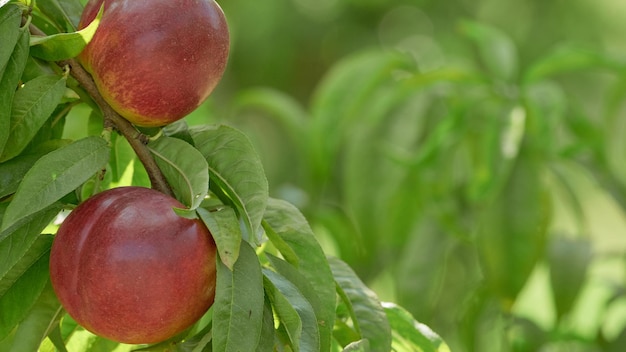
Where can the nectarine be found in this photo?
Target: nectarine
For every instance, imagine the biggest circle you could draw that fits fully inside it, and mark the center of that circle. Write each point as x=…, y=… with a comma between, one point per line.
x=126, y=267
x=156, y=61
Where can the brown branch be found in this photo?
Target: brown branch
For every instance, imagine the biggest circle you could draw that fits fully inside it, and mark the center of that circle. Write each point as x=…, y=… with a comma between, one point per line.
x=136, y=139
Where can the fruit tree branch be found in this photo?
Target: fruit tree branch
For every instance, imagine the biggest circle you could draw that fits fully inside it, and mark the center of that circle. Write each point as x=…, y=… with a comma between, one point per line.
x=136, y=139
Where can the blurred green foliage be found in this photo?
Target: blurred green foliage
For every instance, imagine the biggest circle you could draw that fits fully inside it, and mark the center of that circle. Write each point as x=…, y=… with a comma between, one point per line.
x=465, y=157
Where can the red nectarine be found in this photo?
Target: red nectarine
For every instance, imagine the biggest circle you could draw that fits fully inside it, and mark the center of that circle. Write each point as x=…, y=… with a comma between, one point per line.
x=126, y=267
x=156, y=61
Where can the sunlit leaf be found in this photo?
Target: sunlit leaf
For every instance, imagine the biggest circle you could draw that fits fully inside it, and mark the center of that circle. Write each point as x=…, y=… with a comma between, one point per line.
x=64, y=46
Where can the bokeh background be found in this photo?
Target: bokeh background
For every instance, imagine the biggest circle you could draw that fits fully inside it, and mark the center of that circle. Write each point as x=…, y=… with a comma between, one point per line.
x=466, y=157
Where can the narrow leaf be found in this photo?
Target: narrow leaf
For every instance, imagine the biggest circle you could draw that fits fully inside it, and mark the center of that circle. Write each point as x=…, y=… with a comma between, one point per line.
x=55, y=175
x=236, y=172
x=32, y=105
x=370, y=317
x=238, y=307
x=64, y=46
x=293, y=230
x=184, y=167
x=9, y=80
x=224, y=227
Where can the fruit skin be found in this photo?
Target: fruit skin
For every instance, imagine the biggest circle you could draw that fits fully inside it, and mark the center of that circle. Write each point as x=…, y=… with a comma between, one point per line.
x=126, y=267
x=156, y=61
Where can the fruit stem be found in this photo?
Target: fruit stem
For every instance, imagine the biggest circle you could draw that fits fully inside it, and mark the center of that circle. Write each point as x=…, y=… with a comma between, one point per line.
x=136, y=139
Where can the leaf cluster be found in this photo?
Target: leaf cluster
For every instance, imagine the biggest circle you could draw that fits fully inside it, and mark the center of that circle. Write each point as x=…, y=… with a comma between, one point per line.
x=466, y=189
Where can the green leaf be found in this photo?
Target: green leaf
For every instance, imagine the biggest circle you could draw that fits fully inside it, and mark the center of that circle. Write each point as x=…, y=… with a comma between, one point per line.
x=12, y=172
x=42, y=318
x=565, y=59
x=369, y=318
x=64, y=46
x=55, y=175
x=292, y=274
x=411, y=335
x=184, y=167
x=309, y=339
x=292, y=228
x=224, y=227
x=122, y=155
x=497, y=50
x=178, y=129
x=21, y=296
x=21, y=254
x=284, y=109
x=238, y=307
x=511, y=236
x=569, y=260
x=10, y=78
x=65, y=13
x=358, y=346
x=236, y=172
x=339, y=98
x=32, y=105
x=286, y=314
x=268, y=334
x=17, y=248
x=10, y=17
